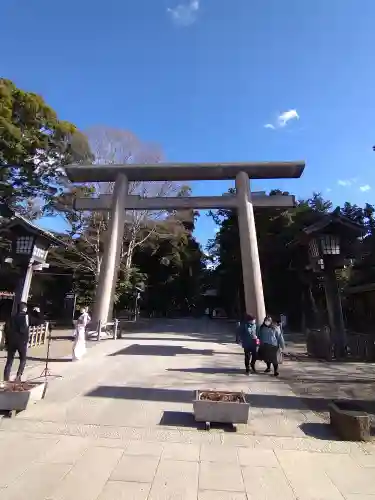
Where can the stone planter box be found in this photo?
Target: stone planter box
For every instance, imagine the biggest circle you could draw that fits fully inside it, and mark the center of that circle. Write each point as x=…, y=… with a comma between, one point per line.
x=17, y=400
x=349, y=421
x=222, y=410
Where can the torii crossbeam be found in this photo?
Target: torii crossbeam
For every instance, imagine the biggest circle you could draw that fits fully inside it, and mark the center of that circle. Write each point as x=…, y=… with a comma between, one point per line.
x=243, y=201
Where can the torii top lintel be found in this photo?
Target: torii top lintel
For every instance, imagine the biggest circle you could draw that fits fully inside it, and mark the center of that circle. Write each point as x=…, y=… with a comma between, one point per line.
x=185, y=171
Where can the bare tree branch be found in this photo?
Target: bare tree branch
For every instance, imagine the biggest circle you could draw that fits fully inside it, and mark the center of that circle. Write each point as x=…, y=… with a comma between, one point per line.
x=87, y=229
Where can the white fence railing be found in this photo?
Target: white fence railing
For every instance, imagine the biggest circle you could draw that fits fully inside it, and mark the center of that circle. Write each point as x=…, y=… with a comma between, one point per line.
x=37, y=335
x=103, y=331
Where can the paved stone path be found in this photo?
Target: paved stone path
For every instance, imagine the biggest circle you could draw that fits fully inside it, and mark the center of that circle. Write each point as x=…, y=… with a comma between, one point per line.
x=317, y=383
x=118, y=425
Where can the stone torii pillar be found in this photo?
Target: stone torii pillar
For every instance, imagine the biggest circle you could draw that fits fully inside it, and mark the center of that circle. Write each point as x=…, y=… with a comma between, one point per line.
x=112, y=248
x=251, y=272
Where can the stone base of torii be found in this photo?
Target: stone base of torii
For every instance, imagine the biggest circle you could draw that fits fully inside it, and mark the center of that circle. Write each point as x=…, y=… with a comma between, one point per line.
x=243, y=201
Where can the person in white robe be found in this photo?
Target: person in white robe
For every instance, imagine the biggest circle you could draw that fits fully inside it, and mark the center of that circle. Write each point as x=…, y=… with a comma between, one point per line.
x=79, y=345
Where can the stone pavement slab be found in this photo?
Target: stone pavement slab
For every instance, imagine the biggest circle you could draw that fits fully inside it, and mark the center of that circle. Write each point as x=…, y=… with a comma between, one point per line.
x=307, y=477
x=37, y=482
x=359, y=497
x=175, y=480
x=119, y=490
x=118, y=425
x=18, y=452
x=181, y=451
x=220, y=476
x=67, y=450
x=221, y=495
x=89, y=475
x=257, y=457
x=263, y=483
x=136, y=469
x=218, y=453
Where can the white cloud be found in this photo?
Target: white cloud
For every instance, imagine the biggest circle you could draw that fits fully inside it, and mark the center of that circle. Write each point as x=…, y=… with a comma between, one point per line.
x=184, y=14
x=347, y=182
x=283, y=119
x=365, y=188
x=329, y=190
x=344, y=183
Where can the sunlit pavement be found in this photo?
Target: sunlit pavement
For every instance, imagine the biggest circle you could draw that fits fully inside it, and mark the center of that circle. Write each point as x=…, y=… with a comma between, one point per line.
x=119, y=425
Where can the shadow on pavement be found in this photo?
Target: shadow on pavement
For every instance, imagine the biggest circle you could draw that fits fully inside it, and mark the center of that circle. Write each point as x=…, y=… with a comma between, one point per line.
x=160, y=350
x=316, y=404
x=333, y=380
x=301, y=358
x=319, y=431
x=324, y=431
x=211, y=371
x=50, y=360
x=185, y=419
x=165, y=339
x=143, y=394
x=187, y=396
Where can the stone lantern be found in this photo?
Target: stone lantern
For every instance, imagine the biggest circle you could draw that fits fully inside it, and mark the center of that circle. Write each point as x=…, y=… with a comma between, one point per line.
x=330, y=245
x=29, y=247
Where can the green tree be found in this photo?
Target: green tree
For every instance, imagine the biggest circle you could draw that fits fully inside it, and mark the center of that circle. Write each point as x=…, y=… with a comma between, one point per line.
x=34, y=145
x=173, y=265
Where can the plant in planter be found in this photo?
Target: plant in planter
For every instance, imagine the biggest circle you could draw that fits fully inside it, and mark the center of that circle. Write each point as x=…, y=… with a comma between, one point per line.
x=15, y=396
x=221, y=407
x=228, y=397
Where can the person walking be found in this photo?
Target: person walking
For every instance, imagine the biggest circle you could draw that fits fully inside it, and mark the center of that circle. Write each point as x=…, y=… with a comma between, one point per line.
x=249, y=340
x=271, y=344
x=79, y=345
x=16, y=340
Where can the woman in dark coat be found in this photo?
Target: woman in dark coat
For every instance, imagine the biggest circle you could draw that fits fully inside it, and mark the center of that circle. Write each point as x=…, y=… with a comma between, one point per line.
x=271, y=342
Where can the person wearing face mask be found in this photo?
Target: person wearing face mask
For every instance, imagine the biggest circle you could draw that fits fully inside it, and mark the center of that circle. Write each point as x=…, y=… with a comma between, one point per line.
x=249, y=340
x=271, y=342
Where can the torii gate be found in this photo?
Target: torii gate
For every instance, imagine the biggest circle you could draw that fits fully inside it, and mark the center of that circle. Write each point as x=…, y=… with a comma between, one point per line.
x=243, y=201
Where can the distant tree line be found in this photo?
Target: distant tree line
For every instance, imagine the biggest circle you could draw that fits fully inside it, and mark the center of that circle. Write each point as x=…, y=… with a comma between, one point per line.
x=283, y=286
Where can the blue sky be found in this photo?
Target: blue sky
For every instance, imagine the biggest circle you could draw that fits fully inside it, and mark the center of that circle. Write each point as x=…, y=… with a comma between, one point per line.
x=203, y=78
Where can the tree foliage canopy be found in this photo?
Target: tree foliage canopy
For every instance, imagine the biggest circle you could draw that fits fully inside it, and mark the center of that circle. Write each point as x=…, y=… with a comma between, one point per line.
x=34, y=145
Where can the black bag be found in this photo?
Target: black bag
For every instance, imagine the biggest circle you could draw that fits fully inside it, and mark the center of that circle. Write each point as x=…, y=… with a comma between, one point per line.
x=260, y=354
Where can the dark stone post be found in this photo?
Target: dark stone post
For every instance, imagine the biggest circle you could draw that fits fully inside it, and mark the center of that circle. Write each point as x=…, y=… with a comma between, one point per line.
x=334, y=307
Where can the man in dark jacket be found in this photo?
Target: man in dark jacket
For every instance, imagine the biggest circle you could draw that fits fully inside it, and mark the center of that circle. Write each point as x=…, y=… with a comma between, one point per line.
x=16, y=339
x=249, y=340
